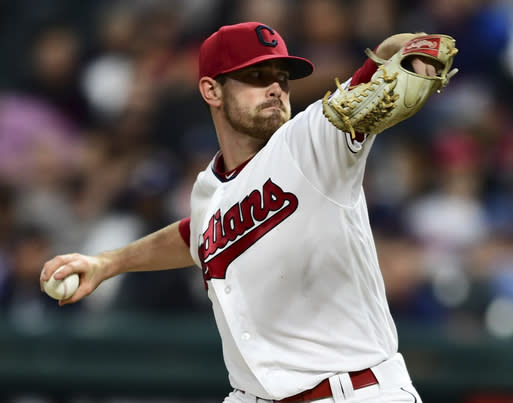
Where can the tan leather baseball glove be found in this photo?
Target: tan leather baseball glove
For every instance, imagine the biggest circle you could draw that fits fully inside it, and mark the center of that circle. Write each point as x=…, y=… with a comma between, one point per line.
x=395, y=92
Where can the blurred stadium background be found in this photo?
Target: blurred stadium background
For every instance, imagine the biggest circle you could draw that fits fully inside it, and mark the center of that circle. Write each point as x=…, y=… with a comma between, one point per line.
x=102, y=133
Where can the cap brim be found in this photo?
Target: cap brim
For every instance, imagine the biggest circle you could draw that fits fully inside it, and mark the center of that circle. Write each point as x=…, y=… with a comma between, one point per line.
x=298, y=67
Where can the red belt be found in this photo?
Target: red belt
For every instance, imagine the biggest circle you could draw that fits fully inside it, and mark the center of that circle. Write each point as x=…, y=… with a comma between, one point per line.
x=360, y=379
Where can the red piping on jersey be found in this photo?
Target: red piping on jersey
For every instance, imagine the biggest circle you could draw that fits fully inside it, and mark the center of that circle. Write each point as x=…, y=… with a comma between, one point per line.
x=225, y=176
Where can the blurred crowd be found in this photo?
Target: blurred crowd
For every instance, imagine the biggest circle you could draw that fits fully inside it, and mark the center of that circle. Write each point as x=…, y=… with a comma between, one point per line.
x=103, y=131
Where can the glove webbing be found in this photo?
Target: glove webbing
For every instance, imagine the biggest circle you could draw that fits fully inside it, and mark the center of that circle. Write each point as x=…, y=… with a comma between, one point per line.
x=372, y=114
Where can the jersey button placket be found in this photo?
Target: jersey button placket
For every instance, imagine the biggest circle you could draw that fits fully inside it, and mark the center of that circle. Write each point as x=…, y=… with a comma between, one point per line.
x=227, y=283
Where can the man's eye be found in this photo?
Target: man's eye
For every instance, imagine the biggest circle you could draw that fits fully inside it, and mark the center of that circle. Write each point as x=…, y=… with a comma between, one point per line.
x=283, y=77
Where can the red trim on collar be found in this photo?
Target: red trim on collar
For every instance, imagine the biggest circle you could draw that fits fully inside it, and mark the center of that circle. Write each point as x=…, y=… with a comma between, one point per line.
x=224, y=176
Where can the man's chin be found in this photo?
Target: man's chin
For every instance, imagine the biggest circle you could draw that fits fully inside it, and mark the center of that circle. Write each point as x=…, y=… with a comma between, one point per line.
x=271, y=125
x=275, y=116
x=265, y=130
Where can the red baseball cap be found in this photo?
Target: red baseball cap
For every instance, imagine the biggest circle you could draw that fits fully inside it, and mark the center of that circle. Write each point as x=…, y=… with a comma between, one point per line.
x=234, y=47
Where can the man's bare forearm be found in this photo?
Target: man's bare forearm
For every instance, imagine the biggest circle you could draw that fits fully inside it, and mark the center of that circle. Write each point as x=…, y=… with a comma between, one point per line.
x=164, y=249
x=161, y=250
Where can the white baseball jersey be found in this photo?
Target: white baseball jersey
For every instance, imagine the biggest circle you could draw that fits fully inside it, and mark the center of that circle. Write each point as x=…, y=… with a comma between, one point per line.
x=289, y=258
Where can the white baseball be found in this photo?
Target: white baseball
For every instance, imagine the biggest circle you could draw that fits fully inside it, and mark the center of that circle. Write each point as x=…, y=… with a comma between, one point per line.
x=61, y=289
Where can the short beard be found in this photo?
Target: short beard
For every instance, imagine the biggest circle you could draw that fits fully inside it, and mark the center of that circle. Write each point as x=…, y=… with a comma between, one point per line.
x=258, y=127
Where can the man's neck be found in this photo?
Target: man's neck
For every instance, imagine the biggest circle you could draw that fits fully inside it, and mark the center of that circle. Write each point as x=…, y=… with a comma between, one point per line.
x=237, y=149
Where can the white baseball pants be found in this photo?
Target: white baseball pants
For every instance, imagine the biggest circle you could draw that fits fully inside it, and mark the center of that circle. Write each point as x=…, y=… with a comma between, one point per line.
x=394, y=386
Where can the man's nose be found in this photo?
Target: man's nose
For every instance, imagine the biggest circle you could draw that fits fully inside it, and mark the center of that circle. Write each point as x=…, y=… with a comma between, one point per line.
x=275, y=89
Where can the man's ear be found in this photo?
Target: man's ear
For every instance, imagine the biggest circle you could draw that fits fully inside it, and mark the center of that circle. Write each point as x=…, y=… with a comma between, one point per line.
x=210, y=90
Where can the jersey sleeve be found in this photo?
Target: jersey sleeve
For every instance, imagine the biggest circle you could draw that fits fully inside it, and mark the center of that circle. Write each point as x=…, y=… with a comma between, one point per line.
x=364, y=73
x=329, y=158
x=184, y=227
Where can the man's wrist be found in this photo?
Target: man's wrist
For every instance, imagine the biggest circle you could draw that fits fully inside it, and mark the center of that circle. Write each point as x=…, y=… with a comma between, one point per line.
x=110, y=263
x=393, y=44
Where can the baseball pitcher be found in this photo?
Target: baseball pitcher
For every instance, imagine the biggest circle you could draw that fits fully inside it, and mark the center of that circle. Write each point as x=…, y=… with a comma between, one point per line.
x=279, y=223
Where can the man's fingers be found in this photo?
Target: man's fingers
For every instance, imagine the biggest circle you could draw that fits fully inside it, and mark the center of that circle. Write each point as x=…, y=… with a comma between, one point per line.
x=419, y=66
x=53, y=264
x=71, y=263
x=75, y=266
x=426, y=66
x=77, y=263
x=430, y=70
x=82, y=291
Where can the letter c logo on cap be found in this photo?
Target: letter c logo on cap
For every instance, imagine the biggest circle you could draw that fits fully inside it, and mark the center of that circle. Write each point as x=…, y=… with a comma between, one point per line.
x=259, y=30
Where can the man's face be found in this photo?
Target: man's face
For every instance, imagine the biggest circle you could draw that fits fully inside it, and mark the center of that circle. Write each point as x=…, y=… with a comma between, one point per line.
x=256, y=99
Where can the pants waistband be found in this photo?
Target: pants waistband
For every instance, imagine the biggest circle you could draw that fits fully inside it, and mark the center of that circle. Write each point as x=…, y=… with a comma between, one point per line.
x=359, y=379
x=388, y=374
